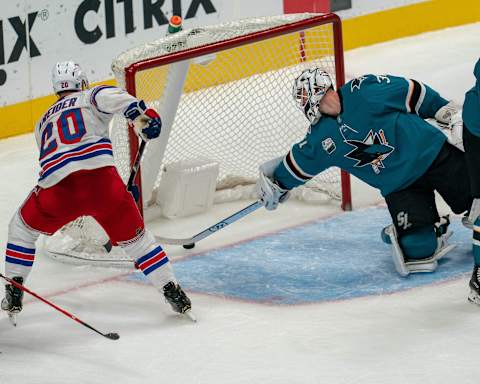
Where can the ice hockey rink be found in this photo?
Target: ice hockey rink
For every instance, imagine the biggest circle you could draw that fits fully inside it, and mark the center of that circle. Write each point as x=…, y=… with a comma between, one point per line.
x=305, y=294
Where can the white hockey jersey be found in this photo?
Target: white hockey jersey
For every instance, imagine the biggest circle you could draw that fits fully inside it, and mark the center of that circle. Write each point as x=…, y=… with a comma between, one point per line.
x=73, y=134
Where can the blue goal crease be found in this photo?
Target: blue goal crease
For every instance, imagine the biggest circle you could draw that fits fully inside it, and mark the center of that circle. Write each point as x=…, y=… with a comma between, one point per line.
x=338, y=258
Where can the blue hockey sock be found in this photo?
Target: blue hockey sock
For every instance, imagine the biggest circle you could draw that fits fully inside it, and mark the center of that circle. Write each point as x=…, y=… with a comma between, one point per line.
x=476, y=242
x=419, y=244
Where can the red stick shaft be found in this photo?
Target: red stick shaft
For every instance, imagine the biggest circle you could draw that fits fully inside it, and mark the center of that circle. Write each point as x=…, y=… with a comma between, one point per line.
x=112, y=336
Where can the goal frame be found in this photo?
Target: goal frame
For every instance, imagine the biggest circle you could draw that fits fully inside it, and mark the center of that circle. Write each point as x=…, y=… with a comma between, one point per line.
x=317, y=20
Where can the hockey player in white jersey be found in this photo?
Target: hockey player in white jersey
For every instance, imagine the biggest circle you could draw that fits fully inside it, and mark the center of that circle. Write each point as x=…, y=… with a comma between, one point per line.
x=78, y=178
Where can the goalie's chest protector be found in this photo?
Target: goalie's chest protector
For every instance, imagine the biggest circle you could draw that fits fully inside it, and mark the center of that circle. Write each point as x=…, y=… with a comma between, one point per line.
x=72, y=135
x=388, y=151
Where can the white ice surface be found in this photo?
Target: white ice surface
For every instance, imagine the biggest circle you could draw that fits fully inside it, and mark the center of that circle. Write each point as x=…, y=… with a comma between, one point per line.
x=424, y=335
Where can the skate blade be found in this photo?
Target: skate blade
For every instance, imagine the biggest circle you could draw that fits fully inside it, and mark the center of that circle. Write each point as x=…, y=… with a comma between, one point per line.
x=473, y=297
x=12, y=317
x=188, y=314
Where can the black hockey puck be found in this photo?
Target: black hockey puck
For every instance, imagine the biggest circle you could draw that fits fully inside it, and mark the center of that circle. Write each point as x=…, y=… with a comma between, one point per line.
x=189, y=246
x=112, y=336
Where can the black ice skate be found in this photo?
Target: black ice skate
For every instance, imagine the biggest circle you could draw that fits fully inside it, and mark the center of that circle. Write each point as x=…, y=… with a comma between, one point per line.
x=474, y=296
x=177, y=299
x=12, y=302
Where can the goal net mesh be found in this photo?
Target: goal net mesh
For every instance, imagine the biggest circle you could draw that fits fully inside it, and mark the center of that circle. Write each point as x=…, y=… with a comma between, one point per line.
x=224, y=93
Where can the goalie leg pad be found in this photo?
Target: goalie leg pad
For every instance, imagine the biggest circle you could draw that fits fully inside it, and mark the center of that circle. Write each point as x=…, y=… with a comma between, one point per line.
x=419, y=244
x=424, y=246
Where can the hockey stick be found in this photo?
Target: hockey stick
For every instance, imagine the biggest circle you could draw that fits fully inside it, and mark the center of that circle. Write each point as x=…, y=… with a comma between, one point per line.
x=133, y=173
x=111, y=335
x=189, y=242
x=136, y=165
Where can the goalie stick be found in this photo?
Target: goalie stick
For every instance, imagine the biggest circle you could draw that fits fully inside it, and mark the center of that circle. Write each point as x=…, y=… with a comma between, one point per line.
x=189, y=242
x=110, y=336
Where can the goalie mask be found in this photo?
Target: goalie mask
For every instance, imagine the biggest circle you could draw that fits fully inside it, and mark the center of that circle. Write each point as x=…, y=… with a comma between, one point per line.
x=68, y=76
x=309, y=89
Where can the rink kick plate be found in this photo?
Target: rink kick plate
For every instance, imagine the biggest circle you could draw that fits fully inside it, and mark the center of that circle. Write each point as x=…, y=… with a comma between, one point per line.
x=315, y=263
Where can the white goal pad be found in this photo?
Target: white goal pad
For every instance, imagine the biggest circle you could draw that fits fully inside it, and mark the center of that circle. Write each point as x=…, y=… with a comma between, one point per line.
x=187, y=187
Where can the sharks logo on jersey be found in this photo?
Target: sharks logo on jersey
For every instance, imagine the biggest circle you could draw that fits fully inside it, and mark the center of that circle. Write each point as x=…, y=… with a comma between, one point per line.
x=356, y=83
x=372, y=150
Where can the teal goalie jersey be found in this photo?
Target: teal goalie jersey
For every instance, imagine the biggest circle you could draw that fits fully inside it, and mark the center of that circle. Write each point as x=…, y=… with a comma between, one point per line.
x=379, y=136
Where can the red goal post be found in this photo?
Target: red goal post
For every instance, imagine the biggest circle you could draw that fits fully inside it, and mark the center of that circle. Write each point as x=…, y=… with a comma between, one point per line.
x=140, y=68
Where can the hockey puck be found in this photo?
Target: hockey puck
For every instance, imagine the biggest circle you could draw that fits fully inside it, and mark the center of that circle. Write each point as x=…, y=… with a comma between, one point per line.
x=112, y=336
x=189, y=246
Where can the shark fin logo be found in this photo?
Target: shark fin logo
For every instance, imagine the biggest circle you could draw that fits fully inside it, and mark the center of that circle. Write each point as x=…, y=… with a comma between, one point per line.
x=357, y=83
x=372, y=150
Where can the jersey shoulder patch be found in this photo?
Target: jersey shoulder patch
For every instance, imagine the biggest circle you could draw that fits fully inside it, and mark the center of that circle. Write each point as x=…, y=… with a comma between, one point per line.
x=93, y=94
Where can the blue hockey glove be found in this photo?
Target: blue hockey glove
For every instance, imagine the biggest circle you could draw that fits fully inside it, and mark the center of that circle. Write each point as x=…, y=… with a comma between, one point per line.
x=154, y=125
x=146, y=121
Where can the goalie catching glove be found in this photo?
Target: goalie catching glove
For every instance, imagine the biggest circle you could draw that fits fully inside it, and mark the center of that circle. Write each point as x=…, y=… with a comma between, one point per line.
x=269, y=192
x=146, y=121
x=448, y=119
x=453, y=130
x=445, y=113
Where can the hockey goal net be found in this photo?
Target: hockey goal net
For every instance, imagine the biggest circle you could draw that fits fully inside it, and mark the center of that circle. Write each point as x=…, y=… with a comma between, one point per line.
x=224, y=93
